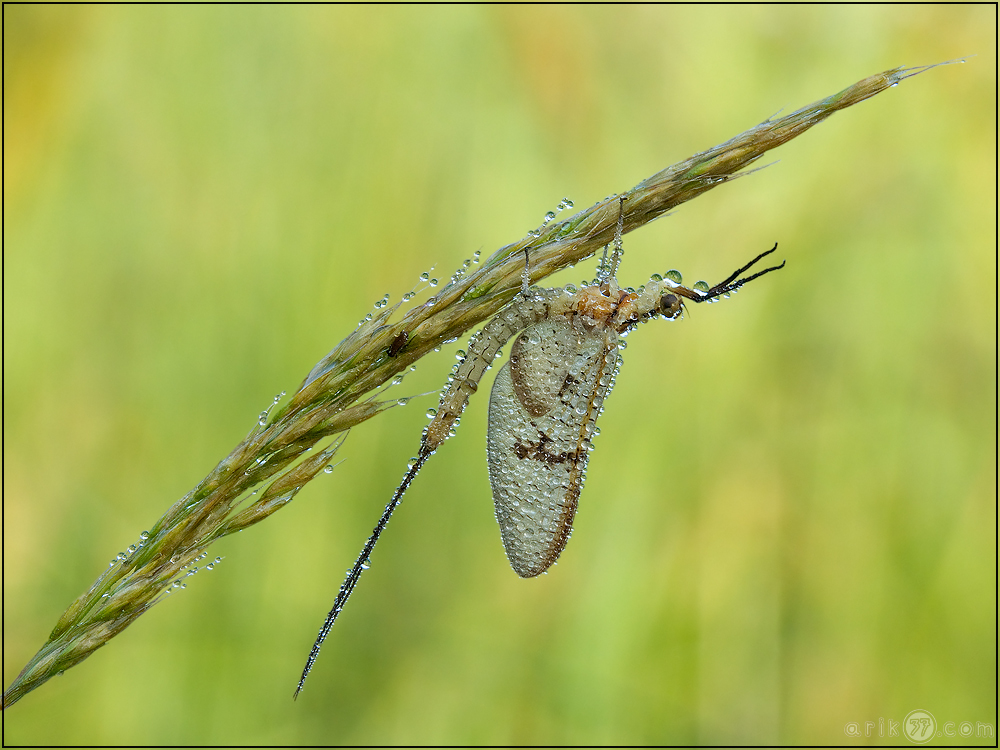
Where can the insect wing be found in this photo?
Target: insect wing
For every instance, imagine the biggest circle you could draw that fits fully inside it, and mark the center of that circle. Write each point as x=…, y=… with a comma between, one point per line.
x=543, y=409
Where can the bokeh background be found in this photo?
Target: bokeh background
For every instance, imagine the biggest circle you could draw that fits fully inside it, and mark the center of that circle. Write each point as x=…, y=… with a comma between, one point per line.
x=789, y=524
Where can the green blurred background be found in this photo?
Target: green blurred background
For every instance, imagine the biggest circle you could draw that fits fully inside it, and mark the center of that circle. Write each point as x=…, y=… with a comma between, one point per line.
x=790, y=518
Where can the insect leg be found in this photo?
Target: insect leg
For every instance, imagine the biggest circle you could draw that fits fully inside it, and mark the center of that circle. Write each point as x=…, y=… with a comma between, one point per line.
x=602, y=269
x=741, y=282
x=616, y=256
x=729, y=285
x=734, y=274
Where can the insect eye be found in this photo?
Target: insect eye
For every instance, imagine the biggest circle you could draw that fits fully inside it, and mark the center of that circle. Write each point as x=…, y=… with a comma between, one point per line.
x=670, y=305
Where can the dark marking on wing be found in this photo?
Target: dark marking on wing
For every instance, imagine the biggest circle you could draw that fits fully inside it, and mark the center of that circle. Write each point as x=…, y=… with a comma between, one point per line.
x=537, y=451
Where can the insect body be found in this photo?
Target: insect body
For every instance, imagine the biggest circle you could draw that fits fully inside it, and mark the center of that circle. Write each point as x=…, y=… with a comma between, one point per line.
x=544, y=406
x=399, y=343
x=543, y=413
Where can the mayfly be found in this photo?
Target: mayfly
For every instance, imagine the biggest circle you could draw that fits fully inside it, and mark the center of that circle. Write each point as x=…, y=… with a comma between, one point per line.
x=544, y=405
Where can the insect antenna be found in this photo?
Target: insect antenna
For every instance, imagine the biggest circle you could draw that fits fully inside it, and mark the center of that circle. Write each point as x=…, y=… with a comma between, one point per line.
x=360, y=565
x=732, y=283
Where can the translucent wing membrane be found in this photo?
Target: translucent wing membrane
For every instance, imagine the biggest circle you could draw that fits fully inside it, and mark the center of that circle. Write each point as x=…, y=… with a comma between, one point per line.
x=543, y=411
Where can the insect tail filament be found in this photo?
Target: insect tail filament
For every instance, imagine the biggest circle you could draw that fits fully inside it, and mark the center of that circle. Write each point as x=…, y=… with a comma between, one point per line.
x=360, y=565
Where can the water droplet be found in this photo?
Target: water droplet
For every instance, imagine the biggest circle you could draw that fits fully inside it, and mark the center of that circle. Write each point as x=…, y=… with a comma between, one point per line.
x=433, y=282
x=131, y=550
x=121, y=556
x=411, y=463
x=549, y=217
x=567, y=203
x=328, y=469
x=675, y=276
x=408, y=296
x=460, y=354
x=701, y=286
x=403, y=401
x=218, y=560
x=144, y=535
x=210, y=566
x=656, y=278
